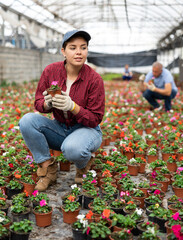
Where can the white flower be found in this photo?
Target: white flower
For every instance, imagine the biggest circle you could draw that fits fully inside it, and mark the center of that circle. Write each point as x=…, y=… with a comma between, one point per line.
x=84, y=222
x=1, y=219
x=74, y=186
x=94, y=174
x=132, y=160
x=81, y=217
x=16, y=127
x=151, y=230
x=139, y=211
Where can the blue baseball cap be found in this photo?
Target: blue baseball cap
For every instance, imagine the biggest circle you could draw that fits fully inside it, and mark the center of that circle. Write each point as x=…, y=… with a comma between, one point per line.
x=73, y=33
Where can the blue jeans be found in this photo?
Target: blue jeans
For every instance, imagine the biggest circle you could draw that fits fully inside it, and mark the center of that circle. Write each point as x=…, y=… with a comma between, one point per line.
x=42, y=134
x=151, y=97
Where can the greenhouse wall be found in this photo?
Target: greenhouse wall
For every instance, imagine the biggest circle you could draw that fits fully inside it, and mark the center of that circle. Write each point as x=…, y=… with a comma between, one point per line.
x=19, y=65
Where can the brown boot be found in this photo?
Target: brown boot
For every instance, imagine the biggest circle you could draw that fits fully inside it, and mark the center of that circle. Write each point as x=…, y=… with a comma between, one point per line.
x=80, y=172
x=47, y=176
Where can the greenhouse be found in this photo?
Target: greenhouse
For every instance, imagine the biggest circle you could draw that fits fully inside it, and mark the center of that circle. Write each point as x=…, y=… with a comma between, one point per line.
x=91, y=122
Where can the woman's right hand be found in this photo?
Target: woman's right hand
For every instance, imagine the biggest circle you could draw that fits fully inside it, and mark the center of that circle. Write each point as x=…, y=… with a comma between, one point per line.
x=48, y=101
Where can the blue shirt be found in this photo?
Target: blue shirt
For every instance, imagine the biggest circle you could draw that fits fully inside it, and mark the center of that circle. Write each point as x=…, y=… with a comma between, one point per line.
x=165, y=77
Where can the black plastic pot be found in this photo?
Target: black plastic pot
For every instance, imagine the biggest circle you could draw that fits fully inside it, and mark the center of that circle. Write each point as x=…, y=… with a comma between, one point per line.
x=5, y=238
x=86, y=201
x=17, y=217
x=11, y=192
x=5, y=208
x=161, y=223
x=19, y=236
x=78, y=234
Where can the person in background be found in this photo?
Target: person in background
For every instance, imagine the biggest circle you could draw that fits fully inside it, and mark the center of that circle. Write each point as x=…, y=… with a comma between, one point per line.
x=158, y=84
x=77, y=110
x=127, y=74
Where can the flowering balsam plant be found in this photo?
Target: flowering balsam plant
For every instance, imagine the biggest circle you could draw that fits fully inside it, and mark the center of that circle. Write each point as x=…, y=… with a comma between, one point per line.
x=81, y=222
x=43, y=207
x=54, y=86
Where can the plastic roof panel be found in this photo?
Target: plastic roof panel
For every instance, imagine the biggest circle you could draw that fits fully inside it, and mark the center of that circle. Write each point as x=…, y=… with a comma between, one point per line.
x=116, y=26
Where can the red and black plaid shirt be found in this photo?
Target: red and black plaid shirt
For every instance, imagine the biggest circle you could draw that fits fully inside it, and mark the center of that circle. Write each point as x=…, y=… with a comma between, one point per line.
x=87, y=91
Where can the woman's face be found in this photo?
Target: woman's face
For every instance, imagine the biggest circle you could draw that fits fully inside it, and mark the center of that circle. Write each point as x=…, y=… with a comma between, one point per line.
x=76, y=51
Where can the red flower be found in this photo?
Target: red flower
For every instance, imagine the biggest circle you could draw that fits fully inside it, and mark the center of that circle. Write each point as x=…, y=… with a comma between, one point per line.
x=10, y=165
x=157, y=192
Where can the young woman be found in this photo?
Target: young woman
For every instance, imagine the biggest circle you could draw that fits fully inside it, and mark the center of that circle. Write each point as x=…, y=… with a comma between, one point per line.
x=77, y=112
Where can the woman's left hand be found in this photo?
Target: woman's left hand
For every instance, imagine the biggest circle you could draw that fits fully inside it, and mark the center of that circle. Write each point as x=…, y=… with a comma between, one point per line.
x=63, y=102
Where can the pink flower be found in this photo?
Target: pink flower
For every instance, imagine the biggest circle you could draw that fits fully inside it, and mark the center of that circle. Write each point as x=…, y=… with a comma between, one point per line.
x=54, y=83
x=123, y=175
x=147, y=223
x=180, y=169
x=157, y=192
x=176, y=216
x=93, y=181
x=35, y=193
x=128, y=231
x=154, y=174
x=88, y=230
x=42, y=203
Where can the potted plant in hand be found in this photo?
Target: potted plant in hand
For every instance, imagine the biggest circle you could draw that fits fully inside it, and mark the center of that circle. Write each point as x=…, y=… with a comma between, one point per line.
x=21, y=230
x=54, y=89
x=43, y=214
x=79, y=226
x=70, y=209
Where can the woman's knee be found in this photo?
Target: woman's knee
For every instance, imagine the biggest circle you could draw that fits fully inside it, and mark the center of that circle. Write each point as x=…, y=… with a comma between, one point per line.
x=74, y=153
x=26, y=120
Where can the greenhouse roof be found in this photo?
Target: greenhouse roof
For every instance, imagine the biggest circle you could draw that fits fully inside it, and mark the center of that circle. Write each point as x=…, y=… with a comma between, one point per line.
x=116, y=26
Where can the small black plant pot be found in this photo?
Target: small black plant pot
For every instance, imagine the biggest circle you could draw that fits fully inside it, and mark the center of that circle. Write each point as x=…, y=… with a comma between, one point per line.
x=17, y=217
x=161, y=223
x=135, y=230
x=11, y=192
x=19, y=236
x=80, y=199
x=86, y=201
x=118, y=210
x=78, y=234
x=147, y=203
x=5, y=238
x=5, y=208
